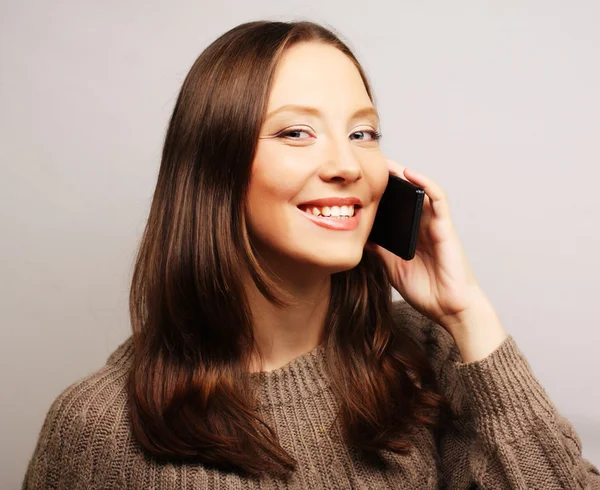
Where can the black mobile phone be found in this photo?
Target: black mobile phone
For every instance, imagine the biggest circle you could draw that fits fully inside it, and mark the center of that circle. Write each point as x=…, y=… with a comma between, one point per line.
x=398, y=216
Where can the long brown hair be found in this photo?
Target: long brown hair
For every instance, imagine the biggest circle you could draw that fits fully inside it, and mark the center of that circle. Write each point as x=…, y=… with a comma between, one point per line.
x=190, y=396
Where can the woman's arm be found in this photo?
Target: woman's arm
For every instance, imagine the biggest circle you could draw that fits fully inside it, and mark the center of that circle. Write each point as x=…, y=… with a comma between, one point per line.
x=508, y=434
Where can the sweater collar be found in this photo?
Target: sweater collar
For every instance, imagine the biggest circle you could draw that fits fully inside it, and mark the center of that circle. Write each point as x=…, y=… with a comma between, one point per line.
x=301, y=378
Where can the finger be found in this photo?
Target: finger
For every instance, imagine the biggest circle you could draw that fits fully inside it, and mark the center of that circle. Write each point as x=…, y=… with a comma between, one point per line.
x=395, y=168
x=437, y=197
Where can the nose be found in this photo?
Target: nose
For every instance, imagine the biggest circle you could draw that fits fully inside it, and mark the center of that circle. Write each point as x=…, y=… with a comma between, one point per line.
x=341, y=166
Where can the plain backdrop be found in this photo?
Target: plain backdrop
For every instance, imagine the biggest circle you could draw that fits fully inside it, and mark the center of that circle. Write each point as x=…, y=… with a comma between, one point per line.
x=496, y=101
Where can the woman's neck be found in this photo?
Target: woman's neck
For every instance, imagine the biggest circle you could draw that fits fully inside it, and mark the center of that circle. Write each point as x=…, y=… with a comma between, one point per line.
x=282, y=334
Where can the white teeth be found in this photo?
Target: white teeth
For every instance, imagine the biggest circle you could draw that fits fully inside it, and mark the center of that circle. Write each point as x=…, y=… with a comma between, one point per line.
x=333, y=211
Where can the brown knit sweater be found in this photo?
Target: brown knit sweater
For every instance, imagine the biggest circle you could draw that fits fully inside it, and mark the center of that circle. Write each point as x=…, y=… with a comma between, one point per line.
x=508, y=436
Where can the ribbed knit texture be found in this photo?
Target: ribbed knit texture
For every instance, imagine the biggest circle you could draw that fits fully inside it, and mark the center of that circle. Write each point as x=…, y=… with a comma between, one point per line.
x=508, y=434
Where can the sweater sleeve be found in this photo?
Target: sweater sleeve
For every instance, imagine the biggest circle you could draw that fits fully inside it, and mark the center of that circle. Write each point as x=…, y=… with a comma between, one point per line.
x=507, y=434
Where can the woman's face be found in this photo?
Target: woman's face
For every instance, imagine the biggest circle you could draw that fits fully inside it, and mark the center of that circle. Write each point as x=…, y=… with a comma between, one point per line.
x=311, y=166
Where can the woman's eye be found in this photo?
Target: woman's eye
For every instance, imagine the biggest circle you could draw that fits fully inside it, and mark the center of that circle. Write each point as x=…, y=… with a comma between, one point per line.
x=375, y=135
x=294, y=131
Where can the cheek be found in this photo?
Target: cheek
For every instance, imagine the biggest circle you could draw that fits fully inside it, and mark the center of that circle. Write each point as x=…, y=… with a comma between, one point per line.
x=272, y=180
x=377, y=177
x=275, y=183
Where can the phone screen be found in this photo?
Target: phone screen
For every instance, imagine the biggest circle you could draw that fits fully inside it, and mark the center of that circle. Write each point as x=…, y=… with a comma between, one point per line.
x=396, y=225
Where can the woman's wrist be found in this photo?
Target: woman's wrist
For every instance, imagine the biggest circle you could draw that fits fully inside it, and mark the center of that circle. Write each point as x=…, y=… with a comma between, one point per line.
x=477, y=331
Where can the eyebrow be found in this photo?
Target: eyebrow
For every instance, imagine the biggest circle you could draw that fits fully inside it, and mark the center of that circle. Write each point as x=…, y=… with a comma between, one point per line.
x=313, y=111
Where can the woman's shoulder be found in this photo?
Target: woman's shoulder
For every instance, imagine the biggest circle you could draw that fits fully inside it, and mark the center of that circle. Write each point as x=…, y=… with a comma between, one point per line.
x=84, y=424
x=101, y=388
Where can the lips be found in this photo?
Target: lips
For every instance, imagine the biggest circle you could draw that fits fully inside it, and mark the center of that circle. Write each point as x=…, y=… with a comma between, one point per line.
x=333, y=223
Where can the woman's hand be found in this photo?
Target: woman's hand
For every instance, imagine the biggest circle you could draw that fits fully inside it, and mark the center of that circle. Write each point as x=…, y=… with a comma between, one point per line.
x=438, y=282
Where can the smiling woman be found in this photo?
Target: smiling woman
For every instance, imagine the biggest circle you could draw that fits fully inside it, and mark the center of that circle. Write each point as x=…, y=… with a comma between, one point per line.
x=266, y=351
x=325, y=168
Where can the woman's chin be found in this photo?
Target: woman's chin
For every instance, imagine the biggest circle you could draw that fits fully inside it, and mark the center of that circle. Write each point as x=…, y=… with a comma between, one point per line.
x=334, y=262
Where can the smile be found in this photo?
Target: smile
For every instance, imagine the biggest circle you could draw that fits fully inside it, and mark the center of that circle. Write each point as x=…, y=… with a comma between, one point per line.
x=341, y=218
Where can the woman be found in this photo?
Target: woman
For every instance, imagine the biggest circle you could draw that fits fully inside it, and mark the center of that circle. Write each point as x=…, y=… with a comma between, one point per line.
x=266, y=351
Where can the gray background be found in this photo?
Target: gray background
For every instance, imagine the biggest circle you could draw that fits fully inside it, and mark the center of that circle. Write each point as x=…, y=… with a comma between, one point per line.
x=496, y=101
